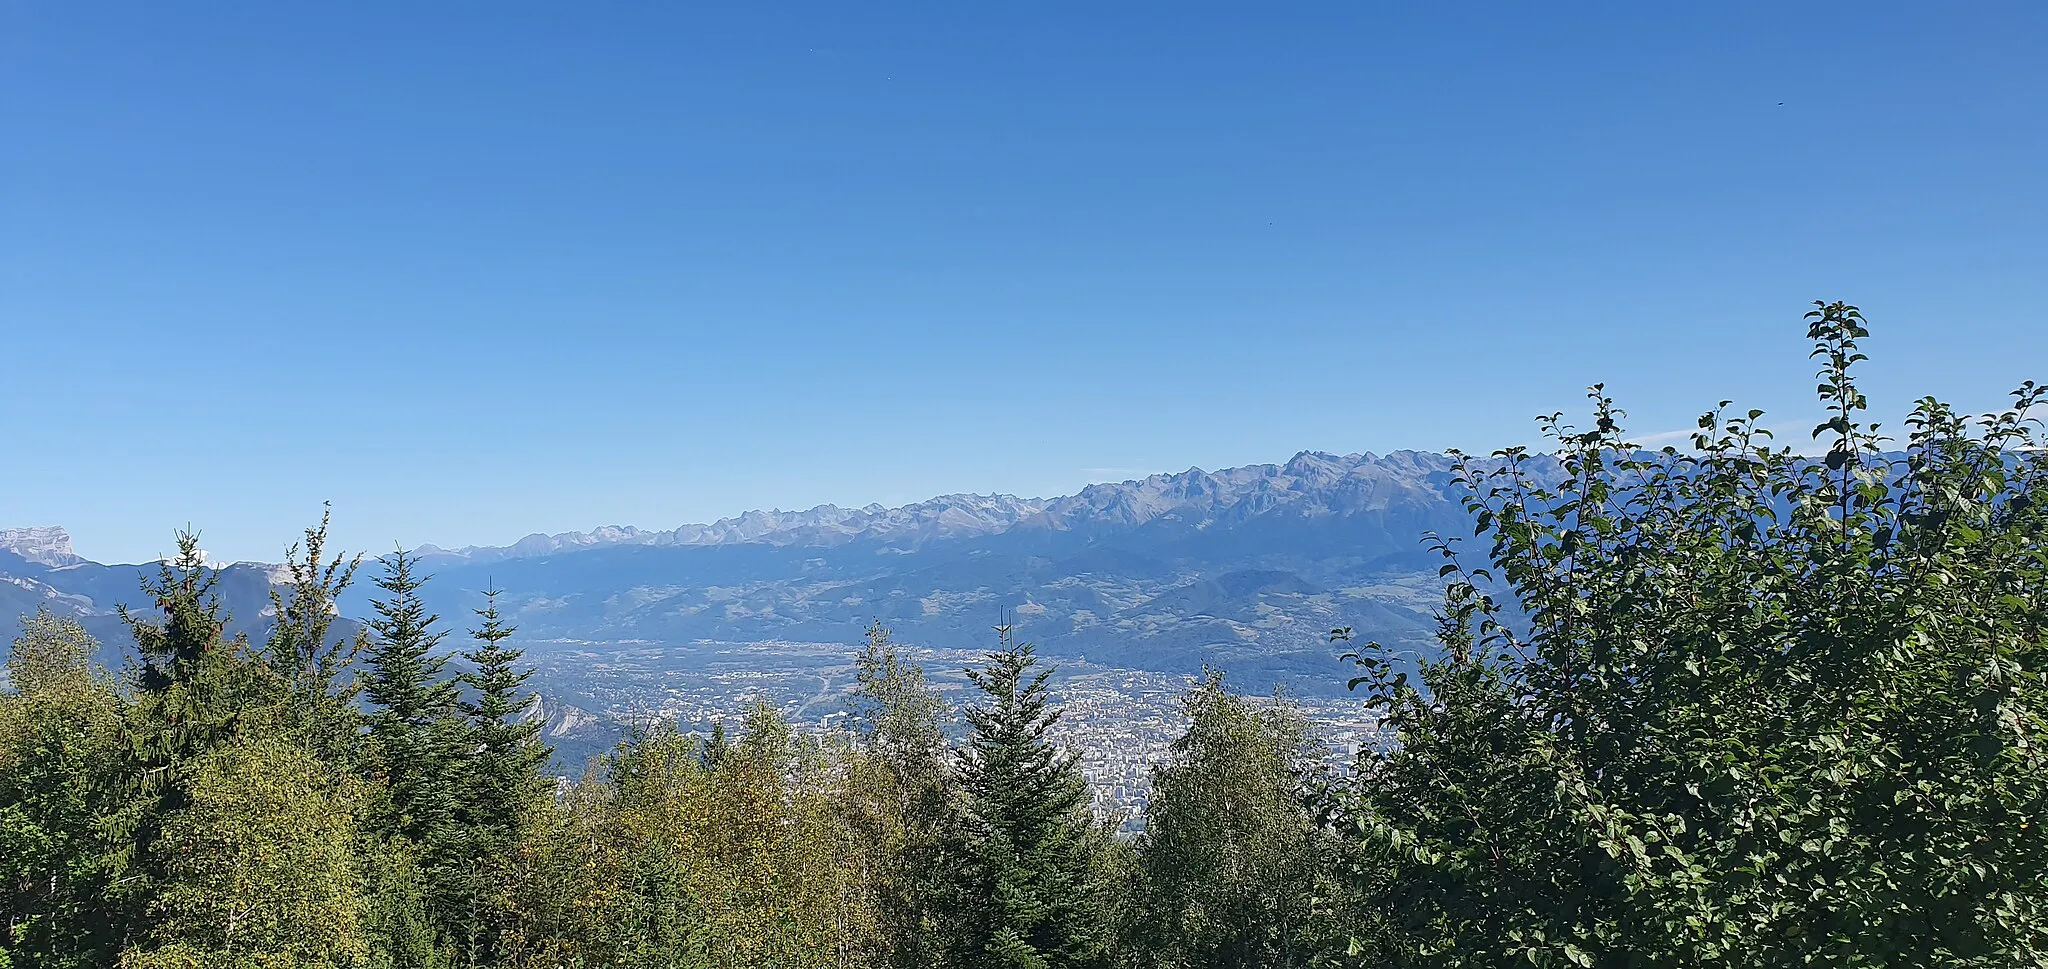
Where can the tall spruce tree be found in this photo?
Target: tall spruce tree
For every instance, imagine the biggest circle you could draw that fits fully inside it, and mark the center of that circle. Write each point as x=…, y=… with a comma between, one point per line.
x=185, y=591
x=1023, y=891
x=195, y=688
x=308, y=657
x=505, y=769
x=420, y=743
x=502, y=779
x=302, y=647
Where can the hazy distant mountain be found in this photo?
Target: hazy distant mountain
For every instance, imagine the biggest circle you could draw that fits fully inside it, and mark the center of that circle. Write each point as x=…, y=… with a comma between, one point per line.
x=1312, y=483
x=1245, y=567
x=94, y=593
x=47, y=545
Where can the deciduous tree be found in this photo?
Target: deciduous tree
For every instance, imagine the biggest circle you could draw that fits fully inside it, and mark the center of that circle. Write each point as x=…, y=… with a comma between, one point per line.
x=1232, y=868
x=60, y=758
x=1756, y=708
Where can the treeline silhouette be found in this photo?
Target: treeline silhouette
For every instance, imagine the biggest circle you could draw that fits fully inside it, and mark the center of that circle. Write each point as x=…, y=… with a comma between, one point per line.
x=1749, y=707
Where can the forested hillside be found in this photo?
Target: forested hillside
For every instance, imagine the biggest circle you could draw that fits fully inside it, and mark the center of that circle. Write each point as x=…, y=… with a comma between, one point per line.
x=1720, y=705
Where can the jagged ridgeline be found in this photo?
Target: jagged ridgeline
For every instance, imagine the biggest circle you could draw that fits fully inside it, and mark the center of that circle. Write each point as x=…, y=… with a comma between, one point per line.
x=1246, y=568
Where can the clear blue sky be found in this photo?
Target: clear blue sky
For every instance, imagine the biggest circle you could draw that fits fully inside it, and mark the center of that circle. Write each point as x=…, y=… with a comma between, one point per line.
x=503, y=268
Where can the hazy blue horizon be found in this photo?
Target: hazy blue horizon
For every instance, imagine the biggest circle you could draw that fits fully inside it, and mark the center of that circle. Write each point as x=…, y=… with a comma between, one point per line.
x=474, y=277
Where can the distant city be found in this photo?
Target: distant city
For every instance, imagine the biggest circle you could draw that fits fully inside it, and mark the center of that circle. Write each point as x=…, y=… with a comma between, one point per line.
x=1119, y=721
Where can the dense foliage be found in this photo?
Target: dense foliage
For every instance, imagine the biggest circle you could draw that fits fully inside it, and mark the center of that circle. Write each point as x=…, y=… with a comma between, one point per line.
x=1725, y=705
x=1754, y=708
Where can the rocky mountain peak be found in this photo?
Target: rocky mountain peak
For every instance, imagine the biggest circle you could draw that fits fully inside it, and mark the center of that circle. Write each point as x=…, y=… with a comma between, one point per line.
x=46, y=545
x=1311, y=482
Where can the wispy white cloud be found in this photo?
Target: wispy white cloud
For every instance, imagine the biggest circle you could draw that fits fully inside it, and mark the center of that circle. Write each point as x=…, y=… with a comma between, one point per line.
x=1781, y=432
x=1664, y=437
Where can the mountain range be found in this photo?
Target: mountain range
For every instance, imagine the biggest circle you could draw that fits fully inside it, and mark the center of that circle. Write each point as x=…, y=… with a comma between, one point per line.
x=1246, y=568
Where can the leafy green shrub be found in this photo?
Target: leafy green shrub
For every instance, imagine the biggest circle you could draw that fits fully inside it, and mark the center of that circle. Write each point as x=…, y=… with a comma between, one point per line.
x=1755, y=708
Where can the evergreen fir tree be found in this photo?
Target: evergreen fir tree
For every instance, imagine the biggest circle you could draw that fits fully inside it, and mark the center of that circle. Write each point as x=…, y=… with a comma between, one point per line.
x=308, y=659
x=411, y=697
x=191, y=630
x=301, y=647
x=1025, y=840
x=504, y=771
x=195, y=687
x=420, y=743
x=715, y=748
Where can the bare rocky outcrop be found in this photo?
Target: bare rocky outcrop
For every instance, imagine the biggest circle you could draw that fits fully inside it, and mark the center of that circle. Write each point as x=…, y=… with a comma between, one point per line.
x=44, y=545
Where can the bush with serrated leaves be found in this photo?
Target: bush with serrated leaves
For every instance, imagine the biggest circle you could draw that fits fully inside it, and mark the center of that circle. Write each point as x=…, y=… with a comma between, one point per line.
x=1752, y=708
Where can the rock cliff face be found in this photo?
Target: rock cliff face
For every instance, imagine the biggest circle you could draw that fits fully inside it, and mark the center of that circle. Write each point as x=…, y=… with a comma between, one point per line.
x=46, y=545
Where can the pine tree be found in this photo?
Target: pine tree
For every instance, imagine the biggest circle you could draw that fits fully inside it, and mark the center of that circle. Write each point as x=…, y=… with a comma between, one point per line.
x=715, y=747
x=504, y=772
x=301, y=647
x=420, y=744
x=306, y=656
x=195, y=689
x=503, y=777
x=1024, y=840
x=185, y=592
